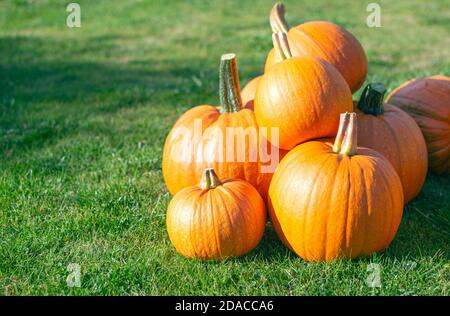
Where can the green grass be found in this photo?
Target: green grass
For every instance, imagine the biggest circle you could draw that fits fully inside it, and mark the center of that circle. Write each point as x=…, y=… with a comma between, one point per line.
x=84, y=114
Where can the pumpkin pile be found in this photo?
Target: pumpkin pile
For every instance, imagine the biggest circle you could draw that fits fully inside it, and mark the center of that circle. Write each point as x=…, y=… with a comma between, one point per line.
x=346, y=168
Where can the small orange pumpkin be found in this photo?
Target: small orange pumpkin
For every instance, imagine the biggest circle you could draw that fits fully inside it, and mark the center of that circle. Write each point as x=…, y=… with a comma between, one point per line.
x=303, y=97
x=394, y=134
x=248, y=93
x=335, y=201
x=216, y=220
x=187, y=154
x=427, y=100
x=321, y=39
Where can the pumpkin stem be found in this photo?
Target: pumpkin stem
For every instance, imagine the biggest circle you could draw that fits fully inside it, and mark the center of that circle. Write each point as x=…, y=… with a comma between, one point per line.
x=371, y=100
x=343, y=123
x=346, y=138
x=277, y=21
x=229, y=88
x=281, y=45
x=210, y=180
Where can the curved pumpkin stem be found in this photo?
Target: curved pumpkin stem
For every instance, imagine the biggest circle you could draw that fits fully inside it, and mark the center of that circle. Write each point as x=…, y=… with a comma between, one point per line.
x=277, y=21
x=210, y=180
x=229, y=87
x=346, y=142
x=281, y=45
x=371, y=100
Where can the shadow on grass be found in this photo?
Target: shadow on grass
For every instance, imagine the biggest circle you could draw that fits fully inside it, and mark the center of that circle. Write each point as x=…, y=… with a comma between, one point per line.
x=425, y=227
x=48, y=90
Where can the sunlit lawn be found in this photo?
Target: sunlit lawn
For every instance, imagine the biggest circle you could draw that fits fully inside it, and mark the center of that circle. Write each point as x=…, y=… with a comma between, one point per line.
x=83, y=117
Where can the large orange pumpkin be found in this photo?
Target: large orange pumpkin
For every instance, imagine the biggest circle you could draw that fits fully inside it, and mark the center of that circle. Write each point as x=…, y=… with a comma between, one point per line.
x=427, y=100
x=321, y=39
x=394, y=134
x=199, y=139
x=335, y=201
x=303, y=97
x=216, y=220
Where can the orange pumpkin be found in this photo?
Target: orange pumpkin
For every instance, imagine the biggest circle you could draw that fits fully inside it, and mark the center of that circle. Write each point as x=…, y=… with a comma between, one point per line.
x=394, y=134
x=321, y=39
x=303, y=97
x=199, y=139
x=335, y=201
x=427, y=100
x=216, y=220
x=248, y=93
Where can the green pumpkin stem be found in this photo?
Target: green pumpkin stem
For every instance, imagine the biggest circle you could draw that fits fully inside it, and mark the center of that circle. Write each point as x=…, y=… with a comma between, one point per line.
x=229, y=88
x=281, y=45
x=210, y=180
x=346, y=139
x=371, y=100
x=277, y=21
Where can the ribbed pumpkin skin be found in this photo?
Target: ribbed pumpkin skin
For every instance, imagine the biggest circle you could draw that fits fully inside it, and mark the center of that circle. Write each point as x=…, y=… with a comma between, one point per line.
x=303, y=97
x=223, y=222
x=326, y=206
x=248, y=93
x=330, y=42
x=427, y=100
x=396, y=136
x=180, y=173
